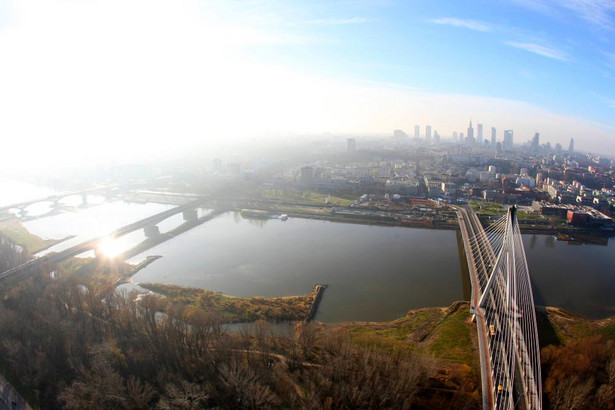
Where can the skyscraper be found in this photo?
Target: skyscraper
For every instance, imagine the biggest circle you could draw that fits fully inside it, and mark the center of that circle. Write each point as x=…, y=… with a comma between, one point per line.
x=536, y=142
x=436, y=137
x=508, y=140
x=571, y=146
x=493, y=136
x=455, y=136
x=428, y=133
x=479, y=137
x=470, y=137
x=417, y=131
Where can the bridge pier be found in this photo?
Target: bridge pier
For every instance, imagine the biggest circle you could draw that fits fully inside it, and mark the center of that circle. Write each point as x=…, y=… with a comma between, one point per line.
x=151, y=231
x=84, y=200
x=190, y=215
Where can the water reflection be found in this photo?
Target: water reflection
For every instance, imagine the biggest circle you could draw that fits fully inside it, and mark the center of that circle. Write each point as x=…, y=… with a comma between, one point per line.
x=38, y=209
x=374, y=273
x=533, y=241
x=95, y=221
x=579, y=278
x=12, y=192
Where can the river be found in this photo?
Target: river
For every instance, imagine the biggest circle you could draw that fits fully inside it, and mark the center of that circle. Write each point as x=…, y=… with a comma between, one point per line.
x=373, y=272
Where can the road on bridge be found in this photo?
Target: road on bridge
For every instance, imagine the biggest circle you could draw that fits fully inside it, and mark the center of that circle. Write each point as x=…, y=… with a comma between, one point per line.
x=92, y=243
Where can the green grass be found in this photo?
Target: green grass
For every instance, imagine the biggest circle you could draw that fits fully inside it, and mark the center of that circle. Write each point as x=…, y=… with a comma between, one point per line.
x=488, y=208
x=452, y=341
x=18, y=234
x=529, y=215
x=401, y=328
x=307, y=196
x=608, y=331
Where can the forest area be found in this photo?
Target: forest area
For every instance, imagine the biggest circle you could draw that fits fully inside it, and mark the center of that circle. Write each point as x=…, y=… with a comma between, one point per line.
x=72, y=342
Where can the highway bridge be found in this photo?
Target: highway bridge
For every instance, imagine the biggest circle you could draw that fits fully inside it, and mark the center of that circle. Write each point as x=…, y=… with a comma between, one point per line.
x=503, y=306
x=147, y=224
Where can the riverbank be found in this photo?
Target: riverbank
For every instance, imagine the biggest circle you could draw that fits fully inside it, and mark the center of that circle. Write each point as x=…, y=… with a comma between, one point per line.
x=230, y=309
x=439, y=217
x=19, y=235
x=423, y=329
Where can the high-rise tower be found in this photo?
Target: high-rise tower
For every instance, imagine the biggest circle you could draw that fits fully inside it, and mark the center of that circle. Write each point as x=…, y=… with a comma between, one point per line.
x=508, y=139
x=571, y=146
x=428, y=133
x=493, y=136
x=536, y=142
x=470, y=137
x=479, y=131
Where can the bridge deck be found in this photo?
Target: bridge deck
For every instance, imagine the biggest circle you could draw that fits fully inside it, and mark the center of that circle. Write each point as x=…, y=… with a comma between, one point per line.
x=503, y=305
x=92, y=243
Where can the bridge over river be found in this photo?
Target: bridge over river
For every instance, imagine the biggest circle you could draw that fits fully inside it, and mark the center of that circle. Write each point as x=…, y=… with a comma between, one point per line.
x=503, y=306
x=147, y=224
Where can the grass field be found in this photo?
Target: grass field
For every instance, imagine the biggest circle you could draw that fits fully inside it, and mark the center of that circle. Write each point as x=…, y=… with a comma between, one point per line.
x=235, y=309
x=307, y=196
x=18, y=234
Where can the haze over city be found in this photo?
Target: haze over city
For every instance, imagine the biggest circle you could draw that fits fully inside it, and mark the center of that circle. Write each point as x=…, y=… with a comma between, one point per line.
x=245, y=204
x=141, y=77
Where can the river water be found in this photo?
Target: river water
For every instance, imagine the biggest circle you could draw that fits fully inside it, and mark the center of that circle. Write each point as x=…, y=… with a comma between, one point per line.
x=373, y=273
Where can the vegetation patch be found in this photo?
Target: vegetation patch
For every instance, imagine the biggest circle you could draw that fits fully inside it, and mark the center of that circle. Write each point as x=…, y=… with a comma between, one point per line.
x=307, y=196
x=234, y=309
x=452, y=339
x=17, y=233
x=489, y=208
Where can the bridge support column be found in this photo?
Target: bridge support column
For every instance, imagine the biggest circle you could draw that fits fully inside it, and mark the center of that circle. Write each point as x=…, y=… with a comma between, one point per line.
x=151, y=231
x=190, y=215
x=84, y=200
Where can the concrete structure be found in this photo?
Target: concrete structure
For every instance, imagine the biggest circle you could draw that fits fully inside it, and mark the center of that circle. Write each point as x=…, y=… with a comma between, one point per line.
x=449, y=188
x=508, y=140
x=493, y=136
x=571, y=146
x=428, y=133
x=436, y=137
x=470, y=137
x=535, y=142
x=147, y=224
x=417, y=131
x=479, y=133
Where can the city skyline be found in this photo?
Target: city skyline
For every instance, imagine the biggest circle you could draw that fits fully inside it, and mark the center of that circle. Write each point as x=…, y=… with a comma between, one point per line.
x=144, y=77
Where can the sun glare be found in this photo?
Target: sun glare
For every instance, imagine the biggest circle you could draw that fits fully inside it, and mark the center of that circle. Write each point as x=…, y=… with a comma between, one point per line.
x=110, y=247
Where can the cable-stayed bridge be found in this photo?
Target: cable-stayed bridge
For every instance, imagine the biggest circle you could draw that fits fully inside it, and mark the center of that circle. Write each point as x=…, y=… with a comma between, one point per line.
x=503, y=306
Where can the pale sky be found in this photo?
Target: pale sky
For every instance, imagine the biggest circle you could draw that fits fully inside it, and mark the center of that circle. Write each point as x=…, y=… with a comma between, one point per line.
x=108, y=78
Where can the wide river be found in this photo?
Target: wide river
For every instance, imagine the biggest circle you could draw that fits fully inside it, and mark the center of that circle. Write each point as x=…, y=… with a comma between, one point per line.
x=374, y=273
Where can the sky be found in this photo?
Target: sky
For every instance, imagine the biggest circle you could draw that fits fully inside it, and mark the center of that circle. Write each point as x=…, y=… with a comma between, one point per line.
x=103, y=79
